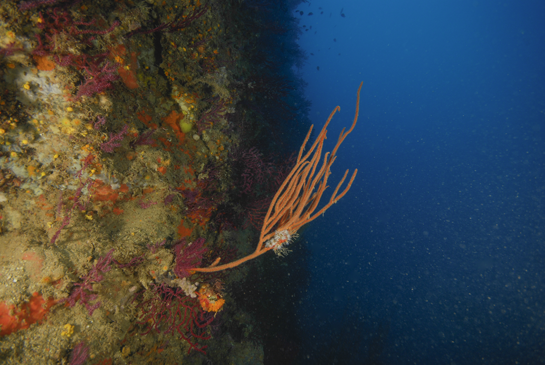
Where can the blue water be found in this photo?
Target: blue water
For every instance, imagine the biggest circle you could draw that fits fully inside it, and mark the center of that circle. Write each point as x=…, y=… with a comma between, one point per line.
x=436, y=254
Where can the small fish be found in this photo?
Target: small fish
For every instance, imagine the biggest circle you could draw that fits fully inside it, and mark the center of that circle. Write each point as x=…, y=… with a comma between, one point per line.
x=301, y=12
x=318, y=68
x=321, y=13
x=343, y=15
x=312, y=54
x=309, y=14
x=334, y=39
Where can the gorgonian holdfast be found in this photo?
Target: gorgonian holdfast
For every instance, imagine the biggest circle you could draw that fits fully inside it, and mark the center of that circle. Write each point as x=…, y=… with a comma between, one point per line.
x=188, y=256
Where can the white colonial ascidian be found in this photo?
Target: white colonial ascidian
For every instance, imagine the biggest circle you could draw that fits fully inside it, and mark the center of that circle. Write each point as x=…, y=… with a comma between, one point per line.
x=279, y=242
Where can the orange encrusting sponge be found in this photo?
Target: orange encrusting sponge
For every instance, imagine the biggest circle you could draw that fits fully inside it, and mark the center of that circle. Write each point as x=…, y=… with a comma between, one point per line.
x=13, y=319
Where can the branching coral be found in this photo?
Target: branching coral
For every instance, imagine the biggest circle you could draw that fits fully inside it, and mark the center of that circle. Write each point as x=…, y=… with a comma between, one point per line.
x=297, y=199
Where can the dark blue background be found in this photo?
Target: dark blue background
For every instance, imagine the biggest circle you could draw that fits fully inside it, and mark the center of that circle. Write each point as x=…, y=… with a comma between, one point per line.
x=436, y=254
